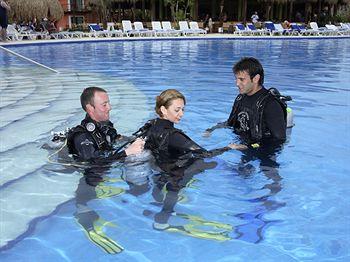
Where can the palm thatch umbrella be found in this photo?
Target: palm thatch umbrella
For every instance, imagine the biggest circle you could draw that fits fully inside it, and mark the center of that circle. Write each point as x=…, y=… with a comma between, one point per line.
x=25, y=10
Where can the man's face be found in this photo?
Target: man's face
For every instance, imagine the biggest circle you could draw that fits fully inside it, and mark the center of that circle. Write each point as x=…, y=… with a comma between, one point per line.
x=246, y=85
x=100, y=110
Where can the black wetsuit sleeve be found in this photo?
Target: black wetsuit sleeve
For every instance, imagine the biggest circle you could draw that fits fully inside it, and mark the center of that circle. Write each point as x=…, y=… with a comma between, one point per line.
x=87, y=151
x=218, y=125
x=182, y=144
x=224, y=124
x=274, y=119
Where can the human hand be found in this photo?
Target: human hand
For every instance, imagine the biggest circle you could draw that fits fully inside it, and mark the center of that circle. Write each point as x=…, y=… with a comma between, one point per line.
x=136, y=147
x=238, y=146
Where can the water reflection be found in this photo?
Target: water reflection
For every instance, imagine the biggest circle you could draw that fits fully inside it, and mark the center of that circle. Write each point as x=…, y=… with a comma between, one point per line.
x=168, y=190
x=95, y=185
x=255, y=224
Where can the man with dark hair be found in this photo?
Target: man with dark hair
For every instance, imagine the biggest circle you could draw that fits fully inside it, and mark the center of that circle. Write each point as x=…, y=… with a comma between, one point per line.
x=93, y=139
x=256, y=115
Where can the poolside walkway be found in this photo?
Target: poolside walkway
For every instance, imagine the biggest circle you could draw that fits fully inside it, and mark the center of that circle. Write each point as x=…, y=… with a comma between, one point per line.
x=208, y=36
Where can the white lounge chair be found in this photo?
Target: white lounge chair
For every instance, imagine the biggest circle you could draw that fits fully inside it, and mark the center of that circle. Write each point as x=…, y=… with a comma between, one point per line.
x=279, y=28
x=13, y=34
x=185, y=30
x=143, y=31
x=345, y=28
x=301, y=29
x=97, y=31
x=170, y=31
x=157, y=28
x=270, y=27
x=319, y=30
x=127, y=28
x=32, y=35
x=241, y=30
x=194, y=26
x=67, y=34
x=111, y=31
x=333, y=29
x=253, y=30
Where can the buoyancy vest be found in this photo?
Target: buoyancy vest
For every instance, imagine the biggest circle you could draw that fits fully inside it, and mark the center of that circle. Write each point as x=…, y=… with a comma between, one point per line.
x=158, y=138
x=104, y=135
x=247, y=121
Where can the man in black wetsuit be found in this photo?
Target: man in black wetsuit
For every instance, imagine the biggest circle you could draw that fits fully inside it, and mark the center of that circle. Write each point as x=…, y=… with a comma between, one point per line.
x=93, y=139
x=256, y=116
x=259, y=119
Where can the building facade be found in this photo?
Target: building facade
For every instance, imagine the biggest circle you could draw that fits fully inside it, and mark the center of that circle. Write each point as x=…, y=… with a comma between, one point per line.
x=77, y=12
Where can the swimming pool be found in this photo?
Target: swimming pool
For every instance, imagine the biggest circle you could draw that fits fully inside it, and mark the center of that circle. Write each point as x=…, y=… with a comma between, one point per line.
x=297, y=211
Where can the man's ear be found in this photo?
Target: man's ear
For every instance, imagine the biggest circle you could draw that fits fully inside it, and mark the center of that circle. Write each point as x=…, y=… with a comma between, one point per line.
x=89, y=108
x=256, y=79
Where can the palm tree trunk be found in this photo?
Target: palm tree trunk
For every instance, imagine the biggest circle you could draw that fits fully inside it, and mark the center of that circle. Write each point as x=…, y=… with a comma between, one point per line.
x=153, y=10
x=279, y=11
x=194, y=11
x=222, y=4
x=161, y=9
x=143, y=7
x=291, y=10
x=244, y=11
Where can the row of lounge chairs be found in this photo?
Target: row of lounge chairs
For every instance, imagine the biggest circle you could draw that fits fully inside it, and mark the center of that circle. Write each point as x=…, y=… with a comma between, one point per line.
x=128, y=29
x=165, y=29
x=295, y=29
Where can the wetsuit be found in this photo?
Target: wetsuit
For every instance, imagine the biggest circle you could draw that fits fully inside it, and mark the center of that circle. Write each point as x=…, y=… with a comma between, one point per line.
x=93, y=141
x=257, y=118
x=173, y=149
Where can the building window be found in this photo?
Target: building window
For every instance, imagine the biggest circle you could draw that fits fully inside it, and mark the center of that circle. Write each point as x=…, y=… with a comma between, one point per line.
x=75, y=20
x=75, y=5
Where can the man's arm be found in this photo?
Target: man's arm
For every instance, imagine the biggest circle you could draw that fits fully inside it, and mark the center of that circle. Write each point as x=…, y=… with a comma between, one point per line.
x=274, y=119
x=208, y=131
x=85, y=147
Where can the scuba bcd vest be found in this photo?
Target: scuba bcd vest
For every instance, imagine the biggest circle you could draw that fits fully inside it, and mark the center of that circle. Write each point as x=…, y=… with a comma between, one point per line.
x=158, y=139
x=104, y=135
x=254, y=126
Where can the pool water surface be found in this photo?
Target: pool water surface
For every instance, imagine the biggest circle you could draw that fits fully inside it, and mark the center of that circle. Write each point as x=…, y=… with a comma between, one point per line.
x=295, y=209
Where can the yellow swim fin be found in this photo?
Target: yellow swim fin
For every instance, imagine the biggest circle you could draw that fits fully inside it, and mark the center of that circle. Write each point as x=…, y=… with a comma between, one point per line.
x=200, y=221
x=190, y=230
x=196, y=228
x=97, y=236
x=103, y=191
x=106, y=243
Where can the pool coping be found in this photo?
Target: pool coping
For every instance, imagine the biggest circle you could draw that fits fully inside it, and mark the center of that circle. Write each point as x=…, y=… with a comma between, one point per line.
x=203, y=37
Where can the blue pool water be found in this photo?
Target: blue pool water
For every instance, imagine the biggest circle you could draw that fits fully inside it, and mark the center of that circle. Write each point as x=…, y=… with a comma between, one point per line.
x=298, y=211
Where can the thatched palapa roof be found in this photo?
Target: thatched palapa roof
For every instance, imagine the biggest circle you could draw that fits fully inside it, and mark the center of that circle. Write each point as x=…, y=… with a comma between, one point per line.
x=27, y=10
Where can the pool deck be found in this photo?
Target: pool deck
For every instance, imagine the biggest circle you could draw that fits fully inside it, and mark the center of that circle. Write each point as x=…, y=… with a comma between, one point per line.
x=201, y=37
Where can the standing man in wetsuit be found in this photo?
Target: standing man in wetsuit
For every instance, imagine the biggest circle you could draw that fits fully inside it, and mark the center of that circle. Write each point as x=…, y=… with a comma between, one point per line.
x=4, y=8
x=259, y=119
x=256, y=116
x=93, y=139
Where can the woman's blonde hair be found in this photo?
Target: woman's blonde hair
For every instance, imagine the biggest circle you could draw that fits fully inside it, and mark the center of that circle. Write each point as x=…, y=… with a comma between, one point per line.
x=165, y=99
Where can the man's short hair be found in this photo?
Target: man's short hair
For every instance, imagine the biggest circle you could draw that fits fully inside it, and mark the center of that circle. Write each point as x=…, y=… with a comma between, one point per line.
x=250, y=65
x=87, y=97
